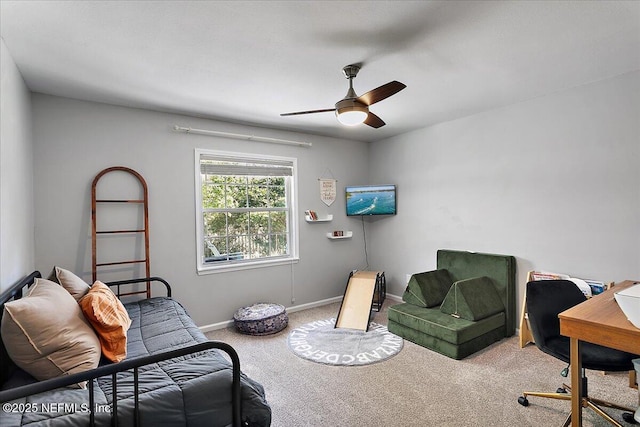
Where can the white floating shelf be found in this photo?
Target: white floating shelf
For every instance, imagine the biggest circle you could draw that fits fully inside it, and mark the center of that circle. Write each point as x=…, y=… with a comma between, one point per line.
x=320, y=219
x=347, y=235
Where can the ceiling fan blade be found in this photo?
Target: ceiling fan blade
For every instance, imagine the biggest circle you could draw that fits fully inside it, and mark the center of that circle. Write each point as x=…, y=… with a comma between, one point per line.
x=382, y=92
x=297, y=113
x=374, y=121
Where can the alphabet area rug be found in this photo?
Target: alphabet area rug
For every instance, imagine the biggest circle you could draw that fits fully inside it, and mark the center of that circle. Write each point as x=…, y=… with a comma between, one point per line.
x=320, y=342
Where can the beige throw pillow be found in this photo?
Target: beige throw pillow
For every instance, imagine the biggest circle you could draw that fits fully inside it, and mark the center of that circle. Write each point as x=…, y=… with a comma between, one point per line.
x=72, y=283
x=46, y=334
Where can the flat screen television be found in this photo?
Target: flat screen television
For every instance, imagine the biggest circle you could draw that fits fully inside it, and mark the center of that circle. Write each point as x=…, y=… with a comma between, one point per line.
x=371, y=200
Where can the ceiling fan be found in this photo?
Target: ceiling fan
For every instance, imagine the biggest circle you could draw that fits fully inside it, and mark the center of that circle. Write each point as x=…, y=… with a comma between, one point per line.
x=354, y=109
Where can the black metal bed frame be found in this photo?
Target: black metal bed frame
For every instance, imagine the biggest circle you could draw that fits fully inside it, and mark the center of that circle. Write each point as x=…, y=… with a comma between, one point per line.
x=16, y=292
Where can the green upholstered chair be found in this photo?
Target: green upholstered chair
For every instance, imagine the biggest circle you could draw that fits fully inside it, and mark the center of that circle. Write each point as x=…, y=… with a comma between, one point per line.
x=478, y=307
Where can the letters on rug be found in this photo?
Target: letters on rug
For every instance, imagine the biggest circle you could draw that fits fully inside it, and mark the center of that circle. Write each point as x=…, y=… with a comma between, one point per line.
x=321, y=342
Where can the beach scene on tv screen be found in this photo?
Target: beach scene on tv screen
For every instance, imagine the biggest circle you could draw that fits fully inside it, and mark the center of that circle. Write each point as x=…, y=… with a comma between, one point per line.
x=371, y=200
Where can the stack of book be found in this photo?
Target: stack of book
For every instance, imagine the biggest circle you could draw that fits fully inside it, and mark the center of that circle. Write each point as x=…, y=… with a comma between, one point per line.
x=588, y=287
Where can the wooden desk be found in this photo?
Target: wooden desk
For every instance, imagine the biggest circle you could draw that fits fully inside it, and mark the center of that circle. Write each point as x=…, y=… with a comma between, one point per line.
x=598, y=320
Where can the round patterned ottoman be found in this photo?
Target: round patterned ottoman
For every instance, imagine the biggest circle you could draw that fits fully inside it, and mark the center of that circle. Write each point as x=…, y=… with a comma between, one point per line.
x=261, y=319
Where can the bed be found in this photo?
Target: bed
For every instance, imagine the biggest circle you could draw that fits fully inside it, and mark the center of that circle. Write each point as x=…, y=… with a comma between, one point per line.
x=171, y=376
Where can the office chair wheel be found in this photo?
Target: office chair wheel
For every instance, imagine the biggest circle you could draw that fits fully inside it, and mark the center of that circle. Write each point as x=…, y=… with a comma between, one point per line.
x=628, y=417
x=561, y=390
x=523, y=401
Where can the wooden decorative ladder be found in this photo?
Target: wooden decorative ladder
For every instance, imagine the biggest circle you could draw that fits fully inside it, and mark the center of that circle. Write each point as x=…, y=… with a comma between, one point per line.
x=95, y=233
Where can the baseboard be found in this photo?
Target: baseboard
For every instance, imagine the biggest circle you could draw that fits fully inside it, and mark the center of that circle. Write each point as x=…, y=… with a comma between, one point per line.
x=292, y=309
x=309, y=305
x=216, y=326
x=394, y=297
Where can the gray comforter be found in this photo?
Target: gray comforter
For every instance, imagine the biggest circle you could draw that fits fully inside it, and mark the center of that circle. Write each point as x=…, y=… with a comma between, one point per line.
x=193, y=390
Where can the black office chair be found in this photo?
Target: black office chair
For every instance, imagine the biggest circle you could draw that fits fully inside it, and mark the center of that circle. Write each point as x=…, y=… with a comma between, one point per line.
x=545, y=300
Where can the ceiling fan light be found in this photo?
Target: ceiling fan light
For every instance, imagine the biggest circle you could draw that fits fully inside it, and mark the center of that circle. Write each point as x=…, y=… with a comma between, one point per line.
x=351, y=113
x=352, y=118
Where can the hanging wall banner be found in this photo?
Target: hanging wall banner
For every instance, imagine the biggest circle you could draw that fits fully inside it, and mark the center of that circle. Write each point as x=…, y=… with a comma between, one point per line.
x=328, y=190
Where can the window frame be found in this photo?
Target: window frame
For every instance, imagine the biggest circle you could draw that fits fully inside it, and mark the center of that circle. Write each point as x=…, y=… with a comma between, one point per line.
x=291, y=191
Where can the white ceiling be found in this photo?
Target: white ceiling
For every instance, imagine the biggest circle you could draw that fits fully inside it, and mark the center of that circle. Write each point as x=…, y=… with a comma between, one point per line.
x=249, y=61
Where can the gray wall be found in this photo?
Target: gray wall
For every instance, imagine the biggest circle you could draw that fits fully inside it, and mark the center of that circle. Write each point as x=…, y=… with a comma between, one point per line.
x=554, y=181
x=16, y=177
x=75, y=140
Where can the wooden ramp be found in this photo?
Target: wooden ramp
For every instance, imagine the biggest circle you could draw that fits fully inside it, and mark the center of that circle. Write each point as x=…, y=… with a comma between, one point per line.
x=358, y=298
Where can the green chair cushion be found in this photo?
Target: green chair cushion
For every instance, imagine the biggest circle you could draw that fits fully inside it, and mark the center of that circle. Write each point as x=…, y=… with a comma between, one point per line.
x=472, y=299
x=427, y=289
x=455, y=351
x=500, y=268
x=432, y=322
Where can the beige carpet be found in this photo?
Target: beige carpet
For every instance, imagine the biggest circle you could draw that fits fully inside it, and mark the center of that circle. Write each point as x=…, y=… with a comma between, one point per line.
x=417, y=387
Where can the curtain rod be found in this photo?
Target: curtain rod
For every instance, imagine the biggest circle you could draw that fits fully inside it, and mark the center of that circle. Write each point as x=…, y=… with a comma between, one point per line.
x=240, y=136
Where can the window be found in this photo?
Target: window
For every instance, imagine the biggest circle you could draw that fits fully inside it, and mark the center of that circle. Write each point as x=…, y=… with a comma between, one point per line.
x=245, y=209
